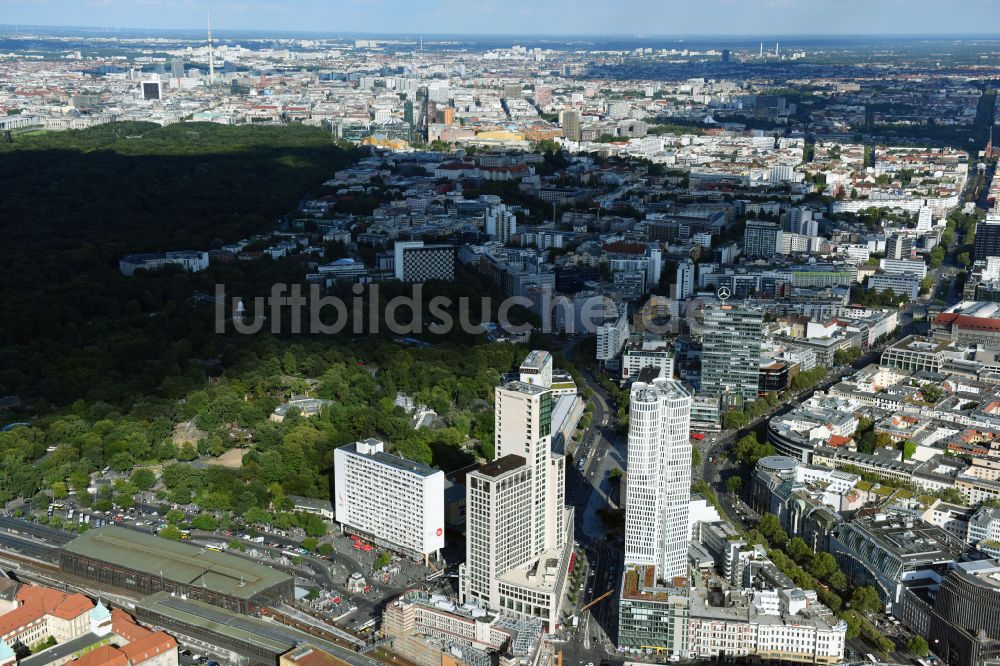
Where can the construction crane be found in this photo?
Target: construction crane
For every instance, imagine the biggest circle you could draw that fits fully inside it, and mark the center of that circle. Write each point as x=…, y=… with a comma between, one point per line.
x=597, y=600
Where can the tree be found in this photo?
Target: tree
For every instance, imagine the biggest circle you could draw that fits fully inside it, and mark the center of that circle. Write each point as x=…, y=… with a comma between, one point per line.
x=734, y=484
x=772, y=530
x=838, y=580
x=917, y=646
x=846, y=356
x=823, y=566
x=325, y=549
x=310, y=544
x=926, y=285
x=748, y=450
x=256, y=516
x=143, y=478
x=174, y=516
x=205, y=522
x=798, y=550
x=171, y=532
x=695, y=456
x=382, y=561
x=853, y=621
x=936, y=257
x=951, y=495
x=909, y=448
x=734, y=420
x=59, y=490
x=314, y=526
x=866, y=600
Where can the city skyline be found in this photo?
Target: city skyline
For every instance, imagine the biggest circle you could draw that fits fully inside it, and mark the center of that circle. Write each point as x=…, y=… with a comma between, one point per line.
x=723, y=18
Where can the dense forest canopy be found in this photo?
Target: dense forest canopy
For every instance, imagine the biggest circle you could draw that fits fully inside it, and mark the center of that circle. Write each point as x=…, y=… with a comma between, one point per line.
x=128, y=373
x=78, y=201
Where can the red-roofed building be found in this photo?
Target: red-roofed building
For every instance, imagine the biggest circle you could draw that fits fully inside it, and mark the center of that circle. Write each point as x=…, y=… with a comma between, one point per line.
x=982, y=328
x=102, y=656
x=156, y=649
x=836, y=441
x=125, y=627
x=44, y=611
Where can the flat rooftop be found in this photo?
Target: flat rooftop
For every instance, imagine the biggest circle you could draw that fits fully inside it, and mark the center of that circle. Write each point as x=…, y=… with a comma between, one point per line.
x=523, y=387
x=985, y=573
x=390, y=460
x=535, y=574
x=911, y=540
x=536, y=359
x=501, y=466
x=177, y=562
x=271, y=636
x=639, y=583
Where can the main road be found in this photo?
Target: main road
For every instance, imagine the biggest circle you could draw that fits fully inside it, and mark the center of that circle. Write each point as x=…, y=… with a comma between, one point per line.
x=589, y=488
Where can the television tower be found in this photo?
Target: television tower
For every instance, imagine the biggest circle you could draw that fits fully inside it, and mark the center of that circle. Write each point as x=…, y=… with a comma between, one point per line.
x=762, y=50
x=211, y=52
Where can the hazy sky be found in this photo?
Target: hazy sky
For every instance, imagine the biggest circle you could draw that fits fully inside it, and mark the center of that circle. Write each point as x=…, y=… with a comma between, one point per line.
x=625, y=17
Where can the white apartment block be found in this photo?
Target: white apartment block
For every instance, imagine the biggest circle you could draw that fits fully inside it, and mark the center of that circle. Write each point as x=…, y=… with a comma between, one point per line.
x=648, y=353
x=659, y=478
x=902, y=285
x=685, y=280
x=392, y=501
x=501, y=223
x=984, y=527
x=612, y=333
x=193, y=262
x=904, y=267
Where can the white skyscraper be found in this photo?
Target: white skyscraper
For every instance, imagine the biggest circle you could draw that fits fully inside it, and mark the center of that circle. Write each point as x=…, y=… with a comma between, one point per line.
x=519, y=533
x=659, y=478
x=500, y=222
x=925, y=219
x=685, y=280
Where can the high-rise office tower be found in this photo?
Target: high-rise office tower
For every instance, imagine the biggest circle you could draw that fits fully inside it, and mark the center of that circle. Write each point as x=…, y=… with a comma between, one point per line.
x=730, y=350
x=659, y=478
x=987, y=242
x=761, y=238
x=177, y=68
x=570, y=123
x=518, y=530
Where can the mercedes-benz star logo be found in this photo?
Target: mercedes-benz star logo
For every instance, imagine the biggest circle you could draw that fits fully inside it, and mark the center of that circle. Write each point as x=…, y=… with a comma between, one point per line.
x=724, y=293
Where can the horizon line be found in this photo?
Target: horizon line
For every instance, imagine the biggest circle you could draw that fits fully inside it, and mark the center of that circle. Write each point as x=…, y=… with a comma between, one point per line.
x=6, y=27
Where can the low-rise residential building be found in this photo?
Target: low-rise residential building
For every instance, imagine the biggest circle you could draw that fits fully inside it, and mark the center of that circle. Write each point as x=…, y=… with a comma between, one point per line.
x=192, y=262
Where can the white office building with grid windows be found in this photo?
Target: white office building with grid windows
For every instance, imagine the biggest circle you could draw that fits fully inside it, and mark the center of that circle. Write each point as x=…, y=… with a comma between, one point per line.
x=391, y=501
